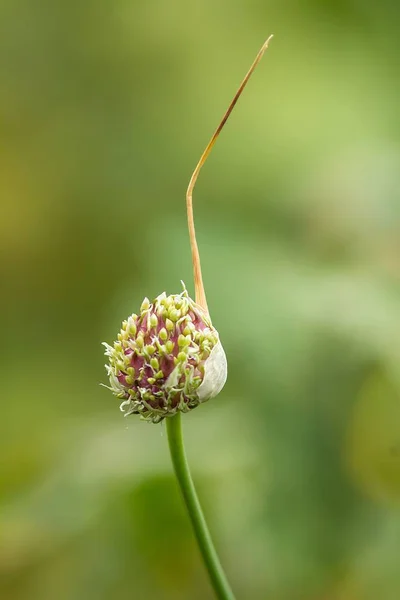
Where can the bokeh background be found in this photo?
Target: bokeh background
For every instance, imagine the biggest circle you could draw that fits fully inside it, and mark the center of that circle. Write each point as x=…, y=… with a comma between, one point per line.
x=105, y=109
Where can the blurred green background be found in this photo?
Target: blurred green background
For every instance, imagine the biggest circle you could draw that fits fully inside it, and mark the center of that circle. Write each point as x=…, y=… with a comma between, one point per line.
x=105, y=109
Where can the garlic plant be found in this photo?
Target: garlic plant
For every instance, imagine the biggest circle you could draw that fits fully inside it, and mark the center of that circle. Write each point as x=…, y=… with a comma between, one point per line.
x=168, y=359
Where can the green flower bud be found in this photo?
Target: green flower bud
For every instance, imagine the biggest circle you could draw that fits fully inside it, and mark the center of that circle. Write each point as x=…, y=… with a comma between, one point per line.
x=167, y=359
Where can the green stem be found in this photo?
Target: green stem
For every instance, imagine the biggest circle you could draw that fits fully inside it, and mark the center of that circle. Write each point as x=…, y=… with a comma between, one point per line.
x=182, y=472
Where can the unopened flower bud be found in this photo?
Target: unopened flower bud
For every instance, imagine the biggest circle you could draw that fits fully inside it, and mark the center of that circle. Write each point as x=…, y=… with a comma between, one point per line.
x=167, y=359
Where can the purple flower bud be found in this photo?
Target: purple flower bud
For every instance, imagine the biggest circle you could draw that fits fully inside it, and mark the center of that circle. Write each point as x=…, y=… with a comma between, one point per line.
x=166, y=359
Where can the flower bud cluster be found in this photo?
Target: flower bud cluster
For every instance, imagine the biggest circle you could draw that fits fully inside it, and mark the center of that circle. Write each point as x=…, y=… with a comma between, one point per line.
x=168, y=358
